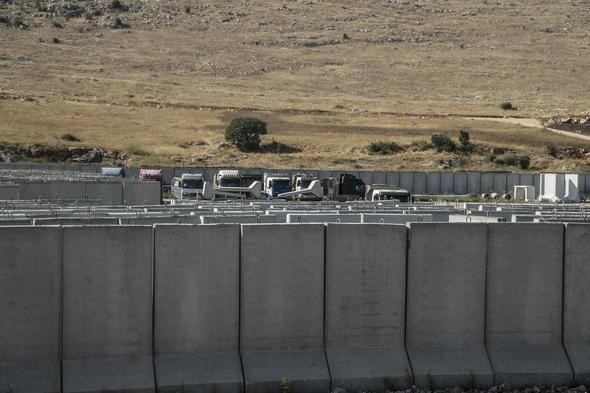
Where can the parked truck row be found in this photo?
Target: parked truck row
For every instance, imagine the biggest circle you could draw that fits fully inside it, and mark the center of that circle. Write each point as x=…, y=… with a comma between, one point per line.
x=234, y=183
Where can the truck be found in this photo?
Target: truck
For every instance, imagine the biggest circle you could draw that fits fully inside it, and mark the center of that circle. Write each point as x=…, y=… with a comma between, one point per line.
x=232, y=183
x=344, y=187
x=304, y=187
x=276, y=183
x=386, y=192
x=153, y=175
x=113, y=171
x=191, y=186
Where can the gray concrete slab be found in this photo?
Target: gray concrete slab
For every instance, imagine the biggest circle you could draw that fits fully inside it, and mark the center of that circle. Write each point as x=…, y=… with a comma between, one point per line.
x=433, y=183
x=524, y=304
x=446, y=306
x=419, y=183
x=105, y=193
x=365, y=307
x=107, y=309
x=512, y=179
x=500, y=183
x=366, y=176
x=393, y=178
x=486, y=182
x=379, y=178
x=282, y=307
x=141, y=193
x=474, y=183
x=9, y=192
x=30, y=282
x=197, y=308
x=384, y=218
x=460, y=183
x=68, y=190
x=526, y=179
x=447, y=183
x=406, y=180
x=323, y=218
x=576, y=324
x=35, y=190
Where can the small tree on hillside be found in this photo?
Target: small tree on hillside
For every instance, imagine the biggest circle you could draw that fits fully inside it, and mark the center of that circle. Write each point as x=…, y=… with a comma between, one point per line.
x=465, y=141
x=244, y=132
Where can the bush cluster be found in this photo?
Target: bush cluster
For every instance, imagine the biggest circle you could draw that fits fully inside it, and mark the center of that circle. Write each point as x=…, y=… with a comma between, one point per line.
x=244, y=133
x=443, y=143
x=381, y=147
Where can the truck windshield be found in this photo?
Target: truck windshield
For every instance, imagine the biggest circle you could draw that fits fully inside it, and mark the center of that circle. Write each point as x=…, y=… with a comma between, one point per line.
x=281, y=183
x=305, y=183
x=192, y=183
x=229, y=182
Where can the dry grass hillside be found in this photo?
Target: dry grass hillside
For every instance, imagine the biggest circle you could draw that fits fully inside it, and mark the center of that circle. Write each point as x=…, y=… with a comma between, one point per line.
x=160, y=80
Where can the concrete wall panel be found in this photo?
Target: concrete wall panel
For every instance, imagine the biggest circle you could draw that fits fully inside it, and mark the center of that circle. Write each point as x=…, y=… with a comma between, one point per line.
x=282, y=307
x=500, y=183
x=197, y=307
x=9, y=192
x=141, y=193
x=474, y=183
x=433, y=183
x=486, y=182
x=105, y=193
x=576, y=334
x=366, y=176
x=447, y=183
x=446, y=305
x=68, y=190
x=365, y=307
x=419, y=183
x=30, y=282
x=512, y=179
x=379, y=178
x=394, y=179
x=524, y=304
x=35, y=190
x=107, y=309
x=460, y=183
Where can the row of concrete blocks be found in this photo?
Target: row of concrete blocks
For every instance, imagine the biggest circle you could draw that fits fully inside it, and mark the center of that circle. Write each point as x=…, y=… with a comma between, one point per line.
x=229, y=308
x=435, y=183
x=106, y=193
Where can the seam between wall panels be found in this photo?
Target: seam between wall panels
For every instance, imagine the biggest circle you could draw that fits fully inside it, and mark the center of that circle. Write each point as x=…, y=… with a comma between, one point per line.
x=61, y=308
x=408, y=242
x=563, y=272
x=485, y=303
x=153, y=281
x=325, y=235
x=240, y=234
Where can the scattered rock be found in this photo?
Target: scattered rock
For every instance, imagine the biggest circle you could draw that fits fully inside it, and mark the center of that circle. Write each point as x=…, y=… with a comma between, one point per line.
x=497, y=150
x=224, y=145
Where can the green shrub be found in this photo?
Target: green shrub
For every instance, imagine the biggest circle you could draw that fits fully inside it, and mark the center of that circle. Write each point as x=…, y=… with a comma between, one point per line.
x=465, y=141
x=118, y=5
x=443, y=143
x=551, y=149
x=507, y=106
x=244, y=132
x=286, y=385
x=70, y=137
x=522, y=162
x=381, y=147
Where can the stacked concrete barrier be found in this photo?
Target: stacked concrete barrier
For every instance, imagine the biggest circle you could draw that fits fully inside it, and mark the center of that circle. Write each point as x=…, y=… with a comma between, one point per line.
x=576, y=335
x=282, y=308
x=365, y=307
x=107, y=309
x=30, y=282
x=446, y=305
x=141, y=193
x=105, y=193
x=524, y=304
x=197, y=308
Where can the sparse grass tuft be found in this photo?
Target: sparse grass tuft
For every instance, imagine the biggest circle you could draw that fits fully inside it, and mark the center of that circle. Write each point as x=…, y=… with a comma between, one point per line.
x=507, y=106
x=136, y=150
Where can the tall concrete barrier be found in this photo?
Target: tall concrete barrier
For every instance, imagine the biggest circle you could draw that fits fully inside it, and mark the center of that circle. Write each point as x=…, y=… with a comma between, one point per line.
x=141, y=193
x=447, y=183
x=9, y=192
x=105, y=193
x=393, y=178
x=524, y=304
x=446, y=306
x=107, y=309
x=35, y=190
x=365, y=307
x=460, y=183
x=433, y=185
x=67, y=190
x=419, y=183
x=196, y=320
x=474, y=183
x=282, y=307
x=486, y=182
x=576, y=324
x=30, y=282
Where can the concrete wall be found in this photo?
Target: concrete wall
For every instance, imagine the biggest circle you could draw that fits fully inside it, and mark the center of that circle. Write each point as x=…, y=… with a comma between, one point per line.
x=105, y=193
x=30, y=284
x=576, y=334
x=282, y=307
x=141, y=193
x=197, y=308
x=462, y=280
x=446, y=305
x=365, y=307
x=9, y=192
x=524, y=304
x=107, y=309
